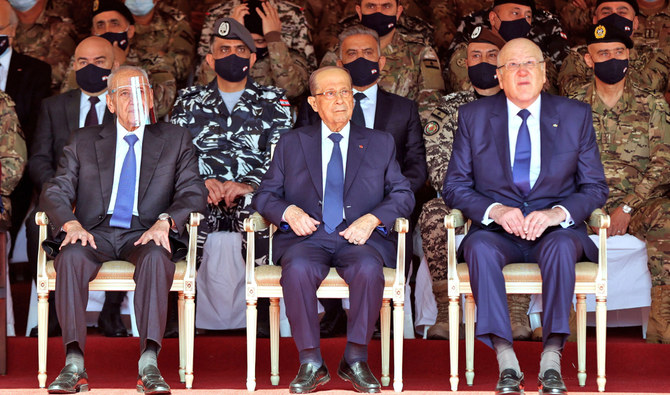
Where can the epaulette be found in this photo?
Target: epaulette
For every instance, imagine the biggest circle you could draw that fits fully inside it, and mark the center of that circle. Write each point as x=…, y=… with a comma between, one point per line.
x=172, y=12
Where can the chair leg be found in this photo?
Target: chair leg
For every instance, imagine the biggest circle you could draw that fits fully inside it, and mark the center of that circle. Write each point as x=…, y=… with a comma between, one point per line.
x=581, y=339
x=601, y=337
x=252, y=315
x=469, y=339
x=182, y=347
x=274, y=341
x=385, y=323
x=398, y=338
x=42, y=335
x=453, y=341
x=189, y=335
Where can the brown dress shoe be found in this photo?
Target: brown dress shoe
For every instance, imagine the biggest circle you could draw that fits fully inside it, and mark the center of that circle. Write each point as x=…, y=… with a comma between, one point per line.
x=518, y=316
x=69, y=381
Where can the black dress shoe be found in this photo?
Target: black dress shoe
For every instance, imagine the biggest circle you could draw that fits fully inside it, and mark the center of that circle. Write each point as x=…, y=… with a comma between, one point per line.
x=111, y=325
x=151, y=381
x=552, y=383
x=308, y=378
x=510, y=383
x=69, y=381
x=359, y=375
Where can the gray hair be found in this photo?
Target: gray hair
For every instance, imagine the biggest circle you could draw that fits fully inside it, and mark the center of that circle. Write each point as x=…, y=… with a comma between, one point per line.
x=312, y=78
x=355, y=30
x=124, y=68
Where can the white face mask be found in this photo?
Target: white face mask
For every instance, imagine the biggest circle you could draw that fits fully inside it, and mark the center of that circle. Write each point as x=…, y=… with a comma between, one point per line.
x=22, y=5
x=140, y=7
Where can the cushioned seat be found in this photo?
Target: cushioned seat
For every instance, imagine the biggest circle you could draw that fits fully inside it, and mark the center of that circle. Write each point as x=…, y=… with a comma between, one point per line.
x=269, y=275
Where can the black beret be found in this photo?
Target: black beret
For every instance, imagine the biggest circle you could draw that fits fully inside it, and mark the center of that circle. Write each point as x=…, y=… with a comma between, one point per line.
x=100, y=6
x=231, y=29
x=632, y=3
x=605, y=33
x=528, y=3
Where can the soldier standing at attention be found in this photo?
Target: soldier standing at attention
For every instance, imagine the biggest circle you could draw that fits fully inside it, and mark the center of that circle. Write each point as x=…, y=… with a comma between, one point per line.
x=633, y=135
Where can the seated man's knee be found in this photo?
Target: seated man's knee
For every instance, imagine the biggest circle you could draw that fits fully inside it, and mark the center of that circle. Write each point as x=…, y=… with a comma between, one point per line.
x=72, y=258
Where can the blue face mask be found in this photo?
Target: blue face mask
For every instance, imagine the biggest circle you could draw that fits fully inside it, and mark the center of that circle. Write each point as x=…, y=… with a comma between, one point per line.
x=483, y=75
x=509, y=30
x=4, y=44
x=381, y=23
x=232, y=68
x=611, y=71
x=140, y=7
x=120, y=38
x=363, y=72
x=22, y=5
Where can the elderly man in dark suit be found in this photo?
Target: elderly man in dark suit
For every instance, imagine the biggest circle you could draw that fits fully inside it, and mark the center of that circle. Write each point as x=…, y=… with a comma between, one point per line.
x=134, y=186
x=334, y=190
x=526, y=170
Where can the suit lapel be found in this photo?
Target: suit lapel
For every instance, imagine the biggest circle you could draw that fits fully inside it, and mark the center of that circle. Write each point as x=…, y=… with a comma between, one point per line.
x=105, y=157
x=499, y=126
x=152, y=147
x=548, y=129
x=311, y=148
x=384, y=107
x=358, y=144
x=14, y=74
x=72, y=108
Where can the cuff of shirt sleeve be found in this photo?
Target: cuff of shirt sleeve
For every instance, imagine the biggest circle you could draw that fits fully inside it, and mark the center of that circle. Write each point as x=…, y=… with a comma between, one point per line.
x=283, y=218
x=568, y=218
x=486, y=220
x=632, y=200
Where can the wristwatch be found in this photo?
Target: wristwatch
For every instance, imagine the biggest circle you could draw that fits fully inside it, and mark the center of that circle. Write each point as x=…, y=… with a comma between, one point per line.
x=165, y=217
x=627, y=209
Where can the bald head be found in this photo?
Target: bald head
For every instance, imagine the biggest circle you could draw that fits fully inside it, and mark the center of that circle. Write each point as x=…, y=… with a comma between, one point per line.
x=524, y=72
x=94, y=50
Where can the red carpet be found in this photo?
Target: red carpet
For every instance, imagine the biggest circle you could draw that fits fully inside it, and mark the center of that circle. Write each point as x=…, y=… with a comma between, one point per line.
x=220, y=364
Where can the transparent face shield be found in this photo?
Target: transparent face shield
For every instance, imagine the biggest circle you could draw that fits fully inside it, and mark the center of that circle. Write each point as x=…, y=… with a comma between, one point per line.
x=133, y=102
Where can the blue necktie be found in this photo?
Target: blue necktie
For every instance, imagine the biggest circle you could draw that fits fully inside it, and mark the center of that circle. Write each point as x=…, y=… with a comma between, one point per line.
x=125, y=195
x=357, y=117
x=521, y=169
x=333, y=205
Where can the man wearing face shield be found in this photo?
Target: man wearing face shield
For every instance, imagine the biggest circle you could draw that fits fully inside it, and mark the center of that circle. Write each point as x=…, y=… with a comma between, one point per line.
x=134, y=185
x=633, y=135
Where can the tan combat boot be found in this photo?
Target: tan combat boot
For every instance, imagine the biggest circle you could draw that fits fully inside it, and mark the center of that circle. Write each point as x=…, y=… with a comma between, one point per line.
x=440, y=331
x=518, y=316
x=658, y=329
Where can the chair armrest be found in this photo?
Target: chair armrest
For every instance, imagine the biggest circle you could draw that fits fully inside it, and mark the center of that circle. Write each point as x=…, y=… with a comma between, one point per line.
x=255, y=222
x=42, y=282
x=454, y=219
x=599, y=219
x=401, y=226
x=192, y=228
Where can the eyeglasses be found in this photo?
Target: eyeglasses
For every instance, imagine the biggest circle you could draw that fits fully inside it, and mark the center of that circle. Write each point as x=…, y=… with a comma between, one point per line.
x=514, y=66
x=330, y=95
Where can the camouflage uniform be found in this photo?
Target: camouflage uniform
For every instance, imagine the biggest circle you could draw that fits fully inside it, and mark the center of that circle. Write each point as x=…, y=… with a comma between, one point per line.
x=52, y=39
x=634, y=141
x=168, y=36
x=654, y=29
x=13, y=155
x=232, y=146
x=79, y=11
x=575, y=20
x=648, y=68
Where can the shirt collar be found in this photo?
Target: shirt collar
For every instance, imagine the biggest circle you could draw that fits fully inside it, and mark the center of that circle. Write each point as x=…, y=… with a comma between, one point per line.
x=84, y=98
x=325, y=131
x=121, y=132
x=6, y=57
x=370, y=93
x=534, y=108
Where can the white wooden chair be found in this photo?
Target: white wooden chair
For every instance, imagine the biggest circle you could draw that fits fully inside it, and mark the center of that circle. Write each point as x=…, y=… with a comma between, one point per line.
x=525, y=278
x=263, y=282
x=118, y=276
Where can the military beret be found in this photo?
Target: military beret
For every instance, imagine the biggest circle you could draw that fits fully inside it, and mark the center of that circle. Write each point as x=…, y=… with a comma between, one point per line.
x=482, y=34
x=100, y=6
x=528, y=3
x=632, y=3
x=605, y=33
x=231, y=29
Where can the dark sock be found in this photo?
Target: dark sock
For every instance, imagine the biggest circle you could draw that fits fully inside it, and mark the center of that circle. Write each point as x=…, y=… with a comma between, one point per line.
x=505, y=354
x=355, y=353
x=149, y=356
x=74, y=355
x=311, y=355
x=551, y=353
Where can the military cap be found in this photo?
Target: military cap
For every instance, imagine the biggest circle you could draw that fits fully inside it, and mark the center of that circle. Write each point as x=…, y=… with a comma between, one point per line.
x=606, y=33
x=100, y=6
x=483, y=34
x=528, y=3
x=230, y=29
x=632, y=3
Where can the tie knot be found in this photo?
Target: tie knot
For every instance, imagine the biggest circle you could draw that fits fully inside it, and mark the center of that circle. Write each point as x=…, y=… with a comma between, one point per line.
x=524, y=114
x=336, y=137
x=131, y=139
x=94, y=100
x=359, y=96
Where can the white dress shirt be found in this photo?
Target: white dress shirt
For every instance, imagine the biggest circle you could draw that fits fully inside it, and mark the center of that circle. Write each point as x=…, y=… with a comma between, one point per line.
x=121, y=151
x=85, y=106
x=5, y=59
x=327, y=151
x=369, y=105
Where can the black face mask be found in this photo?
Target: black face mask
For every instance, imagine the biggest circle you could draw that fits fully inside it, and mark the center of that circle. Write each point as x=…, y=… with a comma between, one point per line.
x=382, y=24
x=509, y=30
x=611, y=71
x=261, y=52
x=363, y=72
x=483, y=75
x=92, y=78
x=120, y=38
x=4, y=43
x=232, y=68
x=619, y=22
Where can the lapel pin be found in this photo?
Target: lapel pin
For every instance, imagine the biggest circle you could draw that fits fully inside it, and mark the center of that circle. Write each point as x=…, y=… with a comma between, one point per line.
x=555, y=125
x=360, y=146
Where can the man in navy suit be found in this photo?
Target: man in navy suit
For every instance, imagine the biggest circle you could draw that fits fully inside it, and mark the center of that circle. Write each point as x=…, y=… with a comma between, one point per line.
x=334, y=190
x=526, y=170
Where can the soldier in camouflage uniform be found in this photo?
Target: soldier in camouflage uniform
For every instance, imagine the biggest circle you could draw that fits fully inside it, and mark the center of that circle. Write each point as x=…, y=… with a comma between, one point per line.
x=575, y=16
x=545, y=31
x=649, y=65
x=46, y=35
x=654, y=24
x=13, y=156
x=633, y=132
x=234, y=123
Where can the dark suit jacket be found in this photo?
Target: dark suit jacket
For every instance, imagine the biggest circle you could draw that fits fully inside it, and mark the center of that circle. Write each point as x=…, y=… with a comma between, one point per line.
x=28, y=82
x=571, y=173
x=59, y=116
x=400, y=117
x=169, y=178
x=373, y=184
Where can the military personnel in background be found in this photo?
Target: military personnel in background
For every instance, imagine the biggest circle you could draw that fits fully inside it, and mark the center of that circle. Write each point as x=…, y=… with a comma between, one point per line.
x=13, y=157
x=633, y=133
x=412, y=69
x=79, y=11
x=649, y=66
x=575, y=16
x=45, y=34
x=511, y=19
x=276, y=64
x=234, y=121
x=163, y=31
x=654, y=24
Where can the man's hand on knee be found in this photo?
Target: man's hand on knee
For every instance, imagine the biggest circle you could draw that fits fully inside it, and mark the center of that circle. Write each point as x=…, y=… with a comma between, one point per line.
x=158, y=233
x=538, y=221
x=299, y=221
x=510, y=218
x=361, y=229
x=232, y=190
x=74, y=232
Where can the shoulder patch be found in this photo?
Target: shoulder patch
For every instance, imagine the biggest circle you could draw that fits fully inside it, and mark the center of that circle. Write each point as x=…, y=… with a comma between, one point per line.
x=284, y=102
x=431, y=64
x=439, y=114
x=431, y=128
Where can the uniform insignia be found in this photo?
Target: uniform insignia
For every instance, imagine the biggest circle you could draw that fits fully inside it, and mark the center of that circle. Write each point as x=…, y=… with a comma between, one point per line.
x=437, y=113
x=431, y=128
x=224, y=28
x=600, y=32
x=563, y=36
x=284, y=102
x=431, y=64
x=476, y=32
x=96, y=5
x=555, y=125
x=360, y=146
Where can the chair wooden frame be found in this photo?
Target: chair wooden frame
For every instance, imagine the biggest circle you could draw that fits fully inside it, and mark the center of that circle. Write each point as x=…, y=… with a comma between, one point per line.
x=118, y=276
x=525, y=278
x=263, y=282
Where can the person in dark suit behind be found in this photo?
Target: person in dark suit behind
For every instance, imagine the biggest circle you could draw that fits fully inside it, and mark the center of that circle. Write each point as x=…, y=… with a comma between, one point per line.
x=335, y=205
x=59, y=116
x=134, y=186
x=525, y=168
